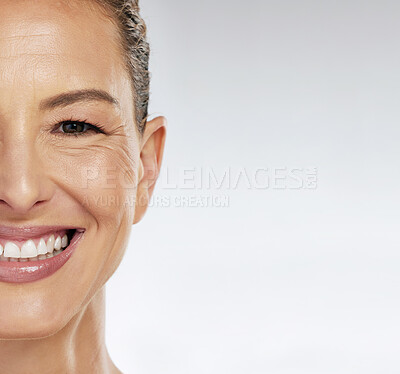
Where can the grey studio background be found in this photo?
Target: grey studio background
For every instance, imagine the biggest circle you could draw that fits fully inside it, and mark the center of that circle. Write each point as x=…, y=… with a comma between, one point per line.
x=294, y=268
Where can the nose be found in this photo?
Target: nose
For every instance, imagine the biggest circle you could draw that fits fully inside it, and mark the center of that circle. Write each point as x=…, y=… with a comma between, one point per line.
x=23, y=184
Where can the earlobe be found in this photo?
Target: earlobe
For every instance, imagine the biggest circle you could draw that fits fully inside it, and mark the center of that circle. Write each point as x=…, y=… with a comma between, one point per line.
x=152, y=150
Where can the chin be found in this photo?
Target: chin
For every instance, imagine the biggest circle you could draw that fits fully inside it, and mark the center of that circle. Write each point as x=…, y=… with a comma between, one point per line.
x=28, y=326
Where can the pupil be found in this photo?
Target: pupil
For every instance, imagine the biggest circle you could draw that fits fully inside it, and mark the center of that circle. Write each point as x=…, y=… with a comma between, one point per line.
x=72, y=127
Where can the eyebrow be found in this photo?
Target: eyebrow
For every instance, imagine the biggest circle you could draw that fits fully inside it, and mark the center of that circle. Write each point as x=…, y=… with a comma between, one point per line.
x=72, y=97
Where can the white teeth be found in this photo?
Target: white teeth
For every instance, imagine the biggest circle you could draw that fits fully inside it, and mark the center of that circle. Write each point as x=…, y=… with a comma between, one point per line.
x=57, y=244
x=28, y=249
x=64, y=241
x=50, y=244
x=42, y=247
x=11, y=250
x=30, y=252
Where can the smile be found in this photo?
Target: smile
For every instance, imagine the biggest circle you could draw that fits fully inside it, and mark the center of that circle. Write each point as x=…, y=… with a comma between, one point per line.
x=30, y=254
x=35, y=249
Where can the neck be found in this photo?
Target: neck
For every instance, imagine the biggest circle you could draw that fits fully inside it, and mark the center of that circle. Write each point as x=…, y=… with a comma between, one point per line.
x=77, y=348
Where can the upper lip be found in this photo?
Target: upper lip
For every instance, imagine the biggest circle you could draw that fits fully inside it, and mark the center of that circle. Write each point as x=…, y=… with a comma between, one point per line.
x=28, y=232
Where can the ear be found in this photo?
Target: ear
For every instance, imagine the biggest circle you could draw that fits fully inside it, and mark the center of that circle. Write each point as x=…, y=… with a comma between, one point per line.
x=152, y=150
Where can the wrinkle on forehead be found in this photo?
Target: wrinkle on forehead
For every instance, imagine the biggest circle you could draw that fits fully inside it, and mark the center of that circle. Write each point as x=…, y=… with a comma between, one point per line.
x=61, y=8
x=53, y=46
x=43, y=23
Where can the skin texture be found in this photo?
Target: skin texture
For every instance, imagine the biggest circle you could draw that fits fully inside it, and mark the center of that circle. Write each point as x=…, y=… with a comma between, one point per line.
x=100, y=182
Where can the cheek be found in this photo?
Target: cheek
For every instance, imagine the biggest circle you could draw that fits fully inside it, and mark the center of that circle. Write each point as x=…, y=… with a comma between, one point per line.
x=101, y=176
x=100, y=182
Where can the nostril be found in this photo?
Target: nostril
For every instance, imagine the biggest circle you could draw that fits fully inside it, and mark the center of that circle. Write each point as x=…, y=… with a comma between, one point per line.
x=22, y=194
x=40, y=202
x=21, y=205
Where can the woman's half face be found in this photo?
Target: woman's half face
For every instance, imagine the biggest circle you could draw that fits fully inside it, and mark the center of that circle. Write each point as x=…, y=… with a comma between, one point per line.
x=69, y=154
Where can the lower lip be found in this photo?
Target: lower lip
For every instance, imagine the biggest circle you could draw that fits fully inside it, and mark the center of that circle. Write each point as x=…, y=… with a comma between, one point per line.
x=24, y=272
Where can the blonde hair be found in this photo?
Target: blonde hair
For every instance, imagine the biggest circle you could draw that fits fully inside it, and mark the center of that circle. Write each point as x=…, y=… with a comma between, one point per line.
x=132, y=27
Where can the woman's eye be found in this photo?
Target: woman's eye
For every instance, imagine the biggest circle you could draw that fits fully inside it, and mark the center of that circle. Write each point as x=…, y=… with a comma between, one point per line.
x=77, y=128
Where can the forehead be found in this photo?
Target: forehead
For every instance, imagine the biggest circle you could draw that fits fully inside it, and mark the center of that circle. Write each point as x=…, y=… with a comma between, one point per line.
x=52, y=46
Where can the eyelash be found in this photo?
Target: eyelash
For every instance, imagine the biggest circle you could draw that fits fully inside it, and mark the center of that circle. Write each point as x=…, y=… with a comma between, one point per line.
x=91, y=126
